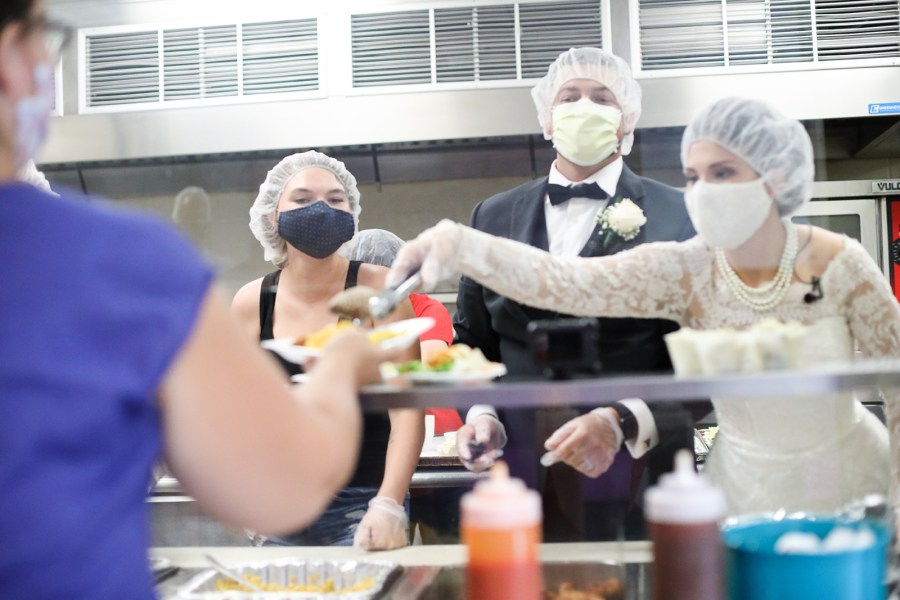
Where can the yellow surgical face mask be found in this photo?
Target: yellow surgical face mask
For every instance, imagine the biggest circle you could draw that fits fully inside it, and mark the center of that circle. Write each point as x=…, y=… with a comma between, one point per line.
x=584, y=132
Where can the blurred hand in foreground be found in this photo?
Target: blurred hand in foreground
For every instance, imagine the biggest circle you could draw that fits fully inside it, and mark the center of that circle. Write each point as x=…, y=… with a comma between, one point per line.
x=588, y=443
x=383, y=527
x=480, y=443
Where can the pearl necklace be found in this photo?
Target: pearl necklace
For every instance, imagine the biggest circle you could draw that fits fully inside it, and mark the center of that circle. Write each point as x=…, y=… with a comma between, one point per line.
x=768, y=295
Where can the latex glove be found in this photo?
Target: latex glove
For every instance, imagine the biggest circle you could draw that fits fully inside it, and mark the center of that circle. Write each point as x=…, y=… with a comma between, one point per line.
x=480, y=443
x=434, y=253
x=383, y=527
x=588, y=443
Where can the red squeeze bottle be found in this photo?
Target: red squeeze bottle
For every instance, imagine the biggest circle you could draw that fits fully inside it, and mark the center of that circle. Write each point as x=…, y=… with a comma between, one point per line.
x=683, y=513
x=501, y=528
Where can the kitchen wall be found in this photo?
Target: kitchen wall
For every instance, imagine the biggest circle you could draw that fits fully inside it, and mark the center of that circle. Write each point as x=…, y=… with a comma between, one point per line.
x=399, y=205
x=430, y=151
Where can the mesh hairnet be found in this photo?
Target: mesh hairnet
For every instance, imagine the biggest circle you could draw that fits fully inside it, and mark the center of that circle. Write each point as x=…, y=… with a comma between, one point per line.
x=600, y=66
x=777, y=147
x=375, y=247
x=263, y=223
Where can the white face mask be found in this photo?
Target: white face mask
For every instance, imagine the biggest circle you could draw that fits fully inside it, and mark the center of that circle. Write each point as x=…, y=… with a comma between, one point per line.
x=585, y=132
x=33, y=115
x=725, y=215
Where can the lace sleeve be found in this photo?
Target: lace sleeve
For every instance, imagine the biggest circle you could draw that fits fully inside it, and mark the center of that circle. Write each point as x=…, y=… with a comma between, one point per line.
x=872, y=310
x=874, y=317
x=649, y=281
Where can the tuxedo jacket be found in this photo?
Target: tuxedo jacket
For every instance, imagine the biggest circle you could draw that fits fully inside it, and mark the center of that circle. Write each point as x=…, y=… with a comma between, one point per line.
x=497, y=325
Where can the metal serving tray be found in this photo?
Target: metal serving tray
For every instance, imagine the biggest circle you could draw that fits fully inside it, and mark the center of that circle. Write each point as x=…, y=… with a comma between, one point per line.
x=450, y=583
x=285, y=572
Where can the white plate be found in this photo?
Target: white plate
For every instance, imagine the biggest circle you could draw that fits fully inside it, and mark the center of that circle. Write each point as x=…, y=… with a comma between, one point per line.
x=490, y=372
x=291, y=352
x=407, y=331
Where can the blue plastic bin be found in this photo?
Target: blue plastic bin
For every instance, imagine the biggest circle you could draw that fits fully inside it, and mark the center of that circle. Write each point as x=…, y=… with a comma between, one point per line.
x=756, y=572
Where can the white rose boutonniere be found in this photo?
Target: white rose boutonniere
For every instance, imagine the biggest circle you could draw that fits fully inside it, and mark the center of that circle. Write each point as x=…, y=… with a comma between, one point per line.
x=622, y=218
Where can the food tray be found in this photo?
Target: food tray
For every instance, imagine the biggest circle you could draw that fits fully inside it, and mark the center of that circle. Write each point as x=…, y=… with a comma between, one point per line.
x=286, y=572
x=451, y=581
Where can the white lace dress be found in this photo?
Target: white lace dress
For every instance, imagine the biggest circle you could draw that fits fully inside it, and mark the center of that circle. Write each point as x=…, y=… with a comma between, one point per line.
x=811, y=453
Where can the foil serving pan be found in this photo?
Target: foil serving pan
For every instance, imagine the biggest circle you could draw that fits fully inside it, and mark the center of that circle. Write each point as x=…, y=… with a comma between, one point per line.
x=286, y=572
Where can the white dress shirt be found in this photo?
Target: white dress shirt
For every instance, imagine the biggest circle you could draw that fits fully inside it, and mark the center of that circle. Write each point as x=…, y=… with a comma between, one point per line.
x=569, y=224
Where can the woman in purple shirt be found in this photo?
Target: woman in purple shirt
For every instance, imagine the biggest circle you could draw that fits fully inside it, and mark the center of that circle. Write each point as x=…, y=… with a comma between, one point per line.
x=117, y=348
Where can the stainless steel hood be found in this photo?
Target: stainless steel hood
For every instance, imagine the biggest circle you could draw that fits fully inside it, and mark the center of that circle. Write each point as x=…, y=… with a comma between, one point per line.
x=344, y=115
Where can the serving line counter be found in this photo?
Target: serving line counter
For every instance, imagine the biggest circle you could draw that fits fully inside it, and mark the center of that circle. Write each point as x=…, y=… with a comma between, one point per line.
x=430, y=561
x=860, y=376
x=863, y=377
x=421, y=565
x=432, y=472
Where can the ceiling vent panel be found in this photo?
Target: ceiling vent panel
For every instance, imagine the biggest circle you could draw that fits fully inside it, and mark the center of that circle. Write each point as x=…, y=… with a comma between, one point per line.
x=280, y=57
x=475, y=44
x=501, y=42
x=691, y=34
x=550, y=28
x=850, y=30
x=198, y=65
x=391, y=48
x=122, y=69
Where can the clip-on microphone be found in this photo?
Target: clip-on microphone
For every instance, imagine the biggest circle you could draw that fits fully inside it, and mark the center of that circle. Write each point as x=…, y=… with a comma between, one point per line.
x=815, y=294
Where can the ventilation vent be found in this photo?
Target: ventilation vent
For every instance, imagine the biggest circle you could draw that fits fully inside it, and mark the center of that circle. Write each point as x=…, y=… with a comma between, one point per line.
x=200, y=63
x=281, y=57
x=850, y=30
x=391, y=49
x=162, y=67
x=123, y=69
x=471, y=44
x=684, y=34
x=475, y=44
x=553, y=27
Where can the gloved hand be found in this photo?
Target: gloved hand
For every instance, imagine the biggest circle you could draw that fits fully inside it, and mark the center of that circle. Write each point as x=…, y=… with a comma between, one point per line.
x=383, y=527
x=433, y=253
x=480, y=443
x=588, y=443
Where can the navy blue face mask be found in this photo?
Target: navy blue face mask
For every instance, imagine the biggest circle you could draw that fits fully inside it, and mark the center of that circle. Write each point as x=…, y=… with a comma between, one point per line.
x=317, y=230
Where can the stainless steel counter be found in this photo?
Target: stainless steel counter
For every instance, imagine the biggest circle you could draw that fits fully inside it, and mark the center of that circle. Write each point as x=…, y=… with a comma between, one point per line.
x=861, y=375
x=427, y=561
x=423, y=478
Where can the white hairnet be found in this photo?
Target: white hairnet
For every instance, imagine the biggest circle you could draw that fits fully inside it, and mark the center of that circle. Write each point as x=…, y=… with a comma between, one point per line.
x=263, y=223
x=600, y=66
x=375, y=247
x=777, y=147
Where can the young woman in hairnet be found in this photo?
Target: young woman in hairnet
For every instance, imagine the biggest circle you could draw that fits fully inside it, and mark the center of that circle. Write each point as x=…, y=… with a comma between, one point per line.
x=117, y=347
x=306, y=210
x=748, y=168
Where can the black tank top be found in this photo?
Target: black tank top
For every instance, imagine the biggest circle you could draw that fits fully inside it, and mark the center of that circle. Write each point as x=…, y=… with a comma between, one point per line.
x=376, y=426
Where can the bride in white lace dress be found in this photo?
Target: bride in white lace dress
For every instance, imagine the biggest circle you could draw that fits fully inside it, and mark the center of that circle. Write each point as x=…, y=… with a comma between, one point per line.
x=748, y=168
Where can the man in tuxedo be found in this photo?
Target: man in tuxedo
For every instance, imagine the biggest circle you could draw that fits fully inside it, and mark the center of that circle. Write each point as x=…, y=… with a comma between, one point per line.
x=588, y=104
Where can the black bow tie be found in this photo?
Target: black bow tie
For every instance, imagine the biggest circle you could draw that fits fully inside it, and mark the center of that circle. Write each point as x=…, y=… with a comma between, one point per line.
x=561, y=193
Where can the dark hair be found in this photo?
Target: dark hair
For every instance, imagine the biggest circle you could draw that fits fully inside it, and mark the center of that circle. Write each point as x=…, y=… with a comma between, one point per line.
x=14, y=10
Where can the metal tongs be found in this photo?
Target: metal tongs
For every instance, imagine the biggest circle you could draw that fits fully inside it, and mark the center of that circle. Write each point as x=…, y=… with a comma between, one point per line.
x=384, y=302
x=223, y=570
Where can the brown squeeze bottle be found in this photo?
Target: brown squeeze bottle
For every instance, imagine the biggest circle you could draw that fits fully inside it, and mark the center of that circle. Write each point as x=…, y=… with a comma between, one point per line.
x=683, y=513
x=501, y=528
